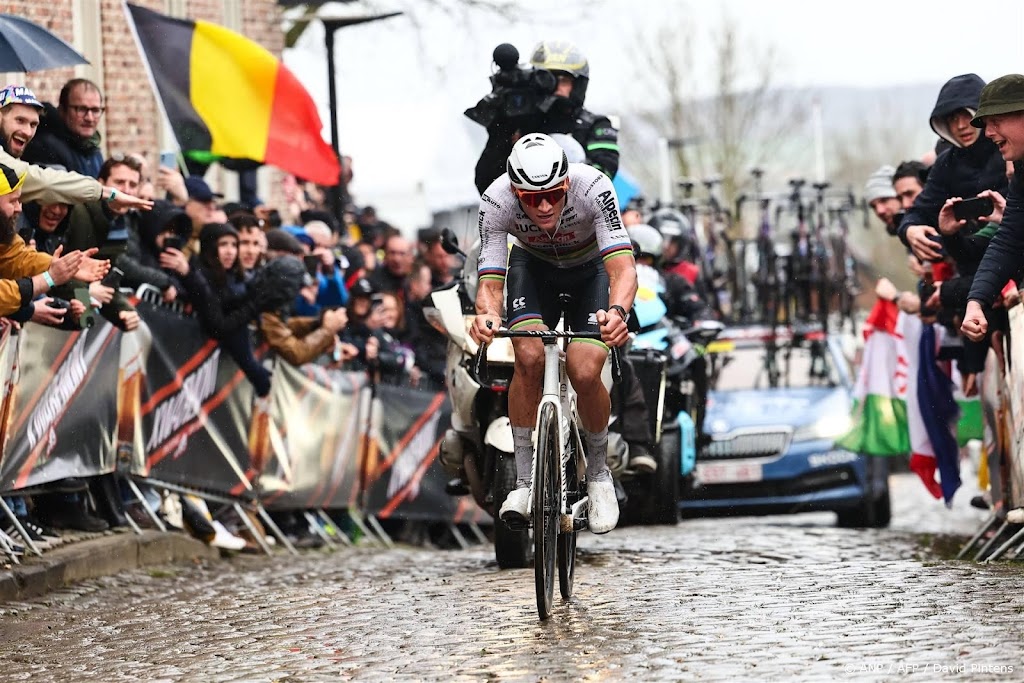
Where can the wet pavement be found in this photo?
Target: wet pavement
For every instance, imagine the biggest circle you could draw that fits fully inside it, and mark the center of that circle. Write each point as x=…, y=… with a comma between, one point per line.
x=773, y=598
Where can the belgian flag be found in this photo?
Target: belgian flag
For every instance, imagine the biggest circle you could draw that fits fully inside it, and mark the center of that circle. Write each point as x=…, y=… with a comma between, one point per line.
x=227, y=96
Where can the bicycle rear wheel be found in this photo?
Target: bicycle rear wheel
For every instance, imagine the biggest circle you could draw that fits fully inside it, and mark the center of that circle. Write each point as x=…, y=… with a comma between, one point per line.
x=567, y=539
x=546, y=508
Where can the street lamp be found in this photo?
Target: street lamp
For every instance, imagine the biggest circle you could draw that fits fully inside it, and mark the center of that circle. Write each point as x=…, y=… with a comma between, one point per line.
x=331, y=24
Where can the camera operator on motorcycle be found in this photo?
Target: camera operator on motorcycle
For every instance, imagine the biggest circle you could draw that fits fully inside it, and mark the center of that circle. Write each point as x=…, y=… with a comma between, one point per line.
x=568, y=238
x=564, y=113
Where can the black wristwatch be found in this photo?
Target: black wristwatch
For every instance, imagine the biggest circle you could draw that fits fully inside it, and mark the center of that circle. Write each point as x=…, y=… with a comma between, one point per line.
x=622, y=311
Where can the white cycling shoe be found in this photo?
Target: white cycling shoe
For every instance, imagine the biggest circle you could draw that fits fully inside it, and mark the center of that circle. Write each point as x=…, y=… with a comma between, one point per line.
x=602, y=506
x=515, y=511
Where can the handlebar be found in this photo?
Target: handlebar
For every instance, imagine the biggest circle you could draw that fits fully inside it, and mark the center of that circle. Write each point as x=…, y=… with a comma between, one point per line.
x=480, y=362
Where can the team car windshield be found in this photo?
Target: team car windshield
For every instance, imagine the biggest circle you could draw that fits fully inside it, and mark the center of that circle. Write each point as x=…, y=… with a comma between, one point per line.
x=752, y=368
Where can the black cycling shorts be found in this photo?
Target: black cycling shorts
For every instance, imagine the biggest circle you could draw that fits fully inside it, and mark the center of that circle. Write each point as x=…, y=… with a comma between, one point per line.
x=533, y=289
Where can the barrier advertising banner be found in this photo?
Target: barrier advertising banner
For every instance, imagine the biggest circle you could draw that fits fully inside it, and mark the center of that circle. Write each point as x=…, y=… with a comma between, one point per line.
x=310, y=441
x=403, y=477
x=63, y=407
x=195, y=401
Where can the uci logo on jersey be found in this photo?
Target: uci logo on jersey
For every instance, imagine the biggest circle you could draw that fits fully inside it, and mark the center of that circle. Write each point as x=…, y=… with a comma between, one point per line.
x=519, y=303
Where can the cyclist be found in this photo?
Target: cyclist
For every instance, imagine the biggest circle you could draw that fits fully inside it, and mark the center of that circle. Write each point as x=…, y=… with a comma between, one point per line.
x=567, y=238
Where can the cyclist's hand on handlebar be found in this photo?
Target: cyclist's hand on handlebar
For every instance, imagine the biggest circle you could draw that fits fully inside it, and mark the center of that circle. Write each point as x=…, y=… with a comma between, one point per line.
x=613, y=328
x=481, y=331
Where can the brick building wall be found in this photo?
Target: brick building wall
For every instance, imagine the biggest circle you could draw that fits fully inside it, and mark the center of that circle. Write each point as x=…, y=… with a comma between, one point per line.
x=132, y=121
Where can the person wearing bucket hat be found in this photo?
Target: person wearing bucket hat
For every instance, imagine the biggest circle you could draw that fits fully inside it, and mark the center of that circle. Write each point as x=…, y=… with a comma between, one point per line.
x=971, y=167
x=1001, y=116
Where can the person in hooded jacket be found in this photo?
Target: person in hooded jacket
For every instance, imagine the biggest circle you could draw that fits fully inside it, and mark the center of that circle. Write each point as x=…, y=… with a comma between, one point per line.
x=43, y=228
x=972, y=167
x=220, y=298
x=141, y=258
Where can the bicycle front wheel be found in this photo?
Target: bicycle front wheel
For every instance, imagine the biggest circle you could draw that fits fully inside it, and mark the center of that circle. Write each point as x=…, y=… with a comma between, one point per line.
x=574, y=491
x=546, y=507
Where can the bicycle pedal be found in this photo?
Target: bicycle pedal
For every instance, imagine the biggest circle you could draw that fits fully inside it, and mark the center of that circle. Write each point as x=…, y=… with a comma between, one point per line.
x=516, y=522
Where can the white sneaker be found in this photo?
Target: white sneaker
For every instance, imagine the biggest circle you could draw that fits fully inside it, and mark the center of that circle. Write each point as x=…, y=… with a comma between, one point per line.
x=603, y=507
x=515, y=511
x=226, y=539
x=1015, y=516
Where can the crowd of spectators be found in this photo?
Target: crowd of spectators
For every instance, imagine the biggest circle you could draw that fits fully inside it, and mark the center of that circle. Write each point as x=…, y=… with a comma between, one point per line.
x=964, y=255
x=346, y=293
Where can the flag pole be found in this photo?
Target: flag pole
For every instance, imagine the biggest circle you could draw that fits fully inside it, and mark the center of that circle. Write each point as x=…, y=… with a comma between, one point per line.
x=149, y=75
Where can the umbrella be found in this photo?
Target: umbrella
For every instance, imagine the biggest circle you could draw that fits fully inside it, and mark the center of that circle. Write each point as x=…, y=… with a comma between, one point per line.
x=25, y=46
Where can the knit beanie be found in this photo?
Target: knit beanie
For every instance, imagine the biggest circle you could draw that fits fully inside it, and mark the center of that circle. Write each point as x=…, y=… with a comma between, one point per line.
x=879, y=185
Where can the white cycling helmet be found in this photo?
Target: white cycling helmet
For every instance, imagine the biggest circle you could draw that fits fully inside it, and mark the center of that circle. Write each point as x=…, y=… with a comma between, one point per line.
x=646, y=240
x=537, y=163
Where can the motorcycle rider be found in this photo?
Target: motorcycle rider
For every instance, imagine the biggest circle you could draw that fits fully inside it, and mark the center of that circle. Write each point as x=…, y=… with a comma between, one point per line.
x=679, y=294
x=595, y=133
x=568, y=238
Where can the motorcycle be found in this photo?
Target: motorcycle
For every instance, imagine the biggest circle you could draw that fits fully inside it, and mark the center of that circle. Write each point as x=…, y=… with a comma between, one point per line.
x=477, y=449
x=668, y=356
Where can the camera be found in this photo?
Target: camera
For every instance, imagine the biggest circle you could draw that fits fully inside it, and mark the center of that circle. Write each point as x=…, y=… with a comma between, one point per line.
x=519, y=91
x=58, y=303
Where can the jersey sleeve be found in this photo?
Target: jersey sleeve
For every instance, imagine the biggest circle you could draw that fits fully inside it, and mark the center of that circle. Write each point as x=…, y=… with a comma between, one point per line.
x=493, y=222
x=612, y=238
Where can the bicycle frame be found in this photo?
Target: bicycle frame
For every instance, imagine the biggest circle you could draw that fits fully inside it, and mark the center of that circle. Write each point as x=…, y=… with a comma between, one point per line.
x=557, y=391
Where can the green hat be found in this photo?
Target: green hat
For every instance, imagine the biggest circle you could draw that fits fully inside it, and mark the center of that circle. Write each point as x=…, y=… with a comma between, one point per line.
x=1002, y=96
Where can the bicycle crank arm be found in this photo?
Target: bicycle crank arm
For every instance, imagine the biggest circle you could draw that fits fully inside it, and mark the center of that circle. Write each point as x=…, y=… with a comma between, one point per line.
x=577, y=521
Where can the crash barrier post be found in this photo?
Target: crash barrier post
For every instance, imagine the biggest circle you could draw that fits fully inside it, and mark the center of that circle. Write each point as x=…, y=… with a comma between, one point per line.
x=166, y=407
x=997, y=537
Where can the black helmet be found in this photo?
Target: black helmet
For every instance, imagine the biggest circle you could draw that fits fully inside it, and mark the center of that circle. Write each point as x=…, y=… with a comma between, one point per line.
x=561, y=55
x=277, y=284
x=676, y=228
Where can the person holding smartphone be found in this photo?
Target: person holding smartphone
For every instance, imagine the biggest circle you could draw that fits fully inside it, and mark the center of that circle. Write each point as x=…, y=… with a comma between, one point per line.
x=165, y=227
x=971, y=167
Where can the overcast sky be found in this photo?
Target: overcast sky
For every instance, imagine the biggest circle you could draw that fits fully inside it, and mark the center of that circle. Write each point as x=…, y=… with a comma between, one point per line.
x=405, y=80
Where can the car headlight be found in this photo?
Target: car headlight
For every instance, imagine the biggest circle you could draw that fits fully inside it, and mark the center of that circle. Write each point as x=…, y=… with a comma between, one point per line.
x=829, y=427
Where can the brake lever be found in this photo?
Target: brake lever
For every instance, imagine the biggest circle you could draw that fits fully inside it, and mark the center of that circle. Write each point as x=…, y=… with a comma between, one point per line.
x=480, y=362
x=616, y=366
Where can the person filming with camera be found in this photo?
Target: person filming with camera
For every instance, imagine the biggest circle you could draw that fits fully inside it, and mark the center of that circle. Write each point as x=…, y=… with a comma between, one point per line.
x=546, y=97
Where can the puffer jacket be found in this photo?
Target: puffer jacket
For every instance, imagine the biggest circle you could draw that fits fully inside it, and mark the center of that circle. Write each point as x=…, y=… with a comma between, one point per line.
x=959, y=171
x=18, y=264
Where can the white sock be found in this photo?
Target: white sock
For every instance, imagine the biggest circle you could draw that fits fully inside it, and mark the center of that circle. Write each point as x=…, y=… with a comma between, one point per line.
x=597, y=454
x=522, y=442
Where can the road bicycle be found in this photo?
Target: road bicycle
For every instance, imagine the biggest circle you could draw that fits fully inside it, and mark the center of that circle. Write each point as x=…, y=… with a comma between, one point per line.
x=558, y=496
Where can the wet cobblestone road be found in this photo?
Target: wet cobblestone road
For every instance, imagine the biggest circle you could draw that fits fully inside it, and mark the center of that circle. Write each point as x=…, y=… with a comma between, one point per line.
x=778, y=598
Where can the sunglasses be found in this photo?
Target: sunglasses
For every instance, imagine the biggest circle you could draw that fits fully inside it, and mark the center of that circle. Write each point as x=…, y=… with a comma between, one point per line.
x=551, y=196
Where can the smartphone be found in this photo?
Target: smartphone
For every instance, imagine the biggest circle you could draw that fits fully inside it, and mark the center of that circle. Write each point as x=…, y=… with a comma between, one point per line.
x=312, y=262
x=169, y=159
x=973, y=208
x=87, y=319
x=173, y=242
x=113, y=278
